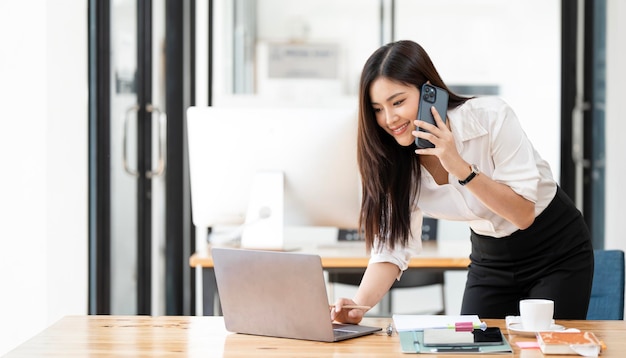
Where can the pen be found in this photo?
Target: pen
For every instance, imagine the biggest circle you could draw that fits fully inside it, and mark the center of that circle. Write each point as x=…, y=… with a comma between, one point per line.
x=455, y=350
x=464, y=326
x=353, y=307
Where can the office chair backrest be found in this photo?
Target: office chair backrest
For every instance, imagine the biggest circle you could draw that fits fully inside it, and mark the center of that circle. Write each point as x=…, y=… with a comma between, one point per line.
x=607, y=292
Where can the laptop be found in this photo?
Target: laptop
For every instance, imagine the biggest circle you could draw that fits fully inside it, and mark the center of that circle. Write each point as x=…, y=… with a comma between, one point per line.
x=277, y=294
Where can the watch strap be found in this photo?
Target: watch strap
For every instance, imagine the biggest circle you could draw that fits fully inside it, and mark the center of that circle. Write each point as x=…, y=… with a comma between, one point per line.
x=470, y=176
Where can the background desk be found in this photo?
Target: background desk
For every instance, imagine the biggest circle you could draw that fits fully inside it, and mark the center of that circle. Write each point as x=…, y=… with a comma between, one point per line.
x=142, y=336
x=344, y=257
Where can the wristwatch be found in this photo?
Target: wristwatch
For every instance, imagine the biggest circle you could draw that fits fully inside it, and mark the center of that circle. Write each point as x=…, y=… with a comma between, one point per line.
x=475, y=172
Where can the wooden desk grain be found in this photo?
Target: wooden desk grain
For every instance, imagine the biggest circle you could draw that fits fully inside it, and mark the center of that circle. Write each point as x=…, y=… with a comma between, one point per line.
x=143, y=336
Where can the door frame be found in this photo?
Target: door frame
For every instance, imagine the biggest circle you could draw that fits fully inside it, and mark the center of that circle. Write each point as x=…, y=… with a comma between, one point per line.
x=583, y=141
x=180, y=87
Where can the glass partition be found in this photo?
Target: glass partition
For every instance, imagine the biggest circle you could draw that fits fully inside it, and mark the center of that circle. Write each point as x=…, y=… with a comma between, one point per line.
x=509, y=48
x=292, y=52
x=269, y=52
x=282, y=52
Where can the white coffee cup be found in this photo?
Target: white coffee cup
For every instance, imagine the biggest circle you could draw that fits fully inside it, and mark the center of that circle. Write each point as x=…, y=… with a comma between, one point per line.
x=536, y=314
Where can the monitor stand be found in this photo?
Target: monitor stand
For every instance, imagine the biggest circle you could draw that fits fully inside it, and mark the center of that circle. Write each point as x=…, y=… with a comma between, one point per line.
x=263, y=228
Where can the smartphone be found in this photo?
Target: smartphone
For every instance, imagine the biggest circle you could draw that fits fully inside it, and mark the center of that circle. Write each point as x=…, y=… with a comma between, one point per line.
x=491, y=335
x=451, y=338
x=431, y=96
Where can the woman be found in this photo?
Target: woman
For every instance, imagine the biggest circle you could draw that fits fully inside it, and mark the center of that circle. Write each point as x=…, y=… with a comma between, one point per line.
x=528, y=238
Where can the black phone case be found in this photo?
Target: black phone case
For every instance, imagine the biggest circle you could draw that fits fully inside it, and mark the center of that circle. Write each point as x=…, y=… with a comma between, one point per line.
x=431, y=96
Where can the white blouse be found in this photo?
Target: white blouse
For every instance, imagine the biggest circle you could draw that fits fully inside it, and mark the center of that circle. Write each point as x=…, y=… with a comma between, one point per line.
x=487, y=133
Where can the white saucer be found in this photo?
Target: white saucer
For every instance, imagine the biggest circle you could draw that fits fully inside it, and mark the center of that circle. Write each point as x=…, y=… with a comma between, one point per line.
x=516, y=328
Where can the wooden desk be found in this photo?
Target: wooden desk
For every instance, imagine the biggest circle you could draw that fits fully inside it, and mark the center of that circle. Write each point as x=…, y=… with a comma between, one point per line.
x=448, y=256
x=142, y=336
x=342, y=258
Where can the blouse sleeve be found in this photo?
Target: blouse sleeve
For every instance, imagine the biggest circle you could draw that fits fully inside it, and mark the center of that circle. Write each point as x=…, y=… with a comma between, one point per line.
x=401, y=255
x=513, y=155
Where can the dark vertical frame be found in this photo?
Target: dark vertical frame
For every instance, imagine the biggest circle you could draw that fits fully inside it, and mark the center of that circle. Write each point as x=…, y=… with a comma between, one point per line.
x=594, y=117
x=569, y=14
x=177, y=203
x=143, y=81
x=210, y=54
x=392, y=25
x=594, y=50
x=99, y=148
x=381, y=9
x=588, y=90
x=189, y=302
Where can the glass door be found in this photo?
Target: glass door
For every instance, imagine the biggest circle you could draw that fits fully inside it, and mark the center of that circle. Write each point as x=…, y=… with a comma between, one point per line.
x=127, y=195
x=137, y=157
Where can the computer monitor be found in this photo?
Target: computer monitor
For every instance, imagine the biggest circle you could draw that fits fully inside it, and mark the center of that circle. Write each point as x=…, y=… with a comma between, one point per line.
x=261, y=169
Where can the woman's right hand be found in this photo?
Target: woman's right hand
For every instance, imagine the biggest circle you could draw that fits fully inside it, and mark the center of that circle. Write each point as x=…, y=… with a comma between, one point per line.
x=346, y=315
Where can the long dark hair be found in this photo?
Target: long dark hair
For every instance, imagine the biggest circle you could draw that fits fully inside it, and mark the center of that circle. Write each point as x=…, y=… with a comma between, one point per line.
x=390, y=172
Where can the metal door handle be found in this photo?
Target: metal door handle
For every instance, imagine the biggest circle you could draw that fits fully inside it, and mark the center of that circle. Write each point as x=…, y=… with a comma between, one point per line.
x=160, y=161
x=127, y=168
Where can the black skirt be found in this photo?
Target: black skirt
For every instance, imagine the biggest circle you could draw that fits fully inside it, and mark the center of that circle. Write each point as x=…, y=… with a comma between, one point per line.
x=551, y=259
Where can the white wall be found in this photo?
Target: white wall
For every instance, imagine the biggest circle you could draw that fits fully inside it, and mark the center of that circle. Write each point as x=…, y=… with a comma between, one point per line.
x=43, y=151
x=67, y=158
